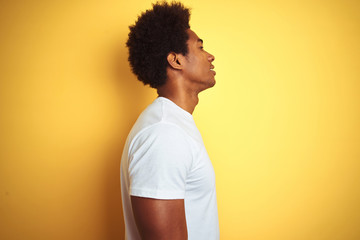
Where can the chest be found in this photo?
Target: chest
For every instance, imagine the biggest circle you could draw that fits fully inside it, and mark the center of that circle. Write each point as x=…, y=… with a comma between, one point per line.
x=201, y=177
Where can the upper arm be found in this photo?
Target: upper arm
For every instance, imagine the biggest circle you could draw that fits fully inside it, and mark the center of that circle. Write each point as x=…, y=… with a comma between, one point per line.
x=160, y=219
x=159, y=162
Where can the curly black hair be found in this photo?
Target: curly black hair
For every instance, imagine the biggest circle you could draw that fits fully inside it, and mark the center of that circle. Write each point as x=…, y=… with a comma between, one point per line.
x=155, y=34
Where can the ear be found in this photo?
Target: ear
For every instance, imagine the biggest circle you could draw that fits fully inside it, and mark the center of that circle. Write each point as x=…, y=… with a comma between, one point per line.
x=174, y=60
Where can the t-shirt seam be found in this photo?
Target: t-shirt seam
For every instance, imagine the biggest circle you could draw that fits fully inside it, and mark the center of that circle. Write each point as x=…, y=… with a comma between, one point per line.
x=193, y=154
x=158, y=123
x=162, y=120
x=165, y=100
x=156, y=191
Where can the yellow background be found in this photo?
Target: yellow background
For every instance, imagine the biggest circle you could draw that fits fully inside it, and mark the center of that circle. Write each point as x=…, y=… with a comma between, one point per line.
x=282, y=124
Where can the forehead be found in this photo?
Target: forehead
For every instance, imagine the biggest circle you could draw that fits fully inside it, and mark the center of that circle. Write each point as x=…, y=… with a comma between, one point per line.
x=193, y=37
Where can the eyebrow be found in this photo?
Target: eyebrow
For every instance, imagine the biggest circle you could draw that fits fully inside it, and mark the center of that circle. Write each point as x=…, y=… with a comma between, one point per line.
x=200, y=40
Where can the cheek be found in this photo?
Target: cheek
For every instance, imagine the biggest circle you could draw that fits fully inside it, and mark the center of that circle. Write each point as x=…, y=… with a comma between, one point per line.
x=194, y=67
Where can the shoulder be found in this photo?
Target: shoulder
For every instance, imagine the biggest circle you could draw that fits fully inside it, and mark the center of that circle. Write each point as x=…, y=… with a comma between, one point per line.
x=161, y=151
x=164, y=134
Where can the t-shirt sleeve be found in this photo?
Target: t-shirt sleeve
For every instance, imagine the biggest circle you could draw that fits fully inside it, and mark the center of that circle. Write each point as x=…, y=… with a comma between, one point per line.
x=160, y=159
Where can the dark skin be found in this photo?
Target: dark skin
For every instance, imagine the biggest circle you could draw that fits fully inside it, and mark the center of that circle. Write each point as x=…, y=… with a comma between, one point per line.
x=187, y=76
x=158, y=219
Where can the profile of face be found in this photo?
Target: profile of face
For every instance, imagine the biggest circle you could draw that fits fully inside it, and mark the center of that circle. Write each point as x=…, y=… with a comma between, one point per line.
x=198, y=67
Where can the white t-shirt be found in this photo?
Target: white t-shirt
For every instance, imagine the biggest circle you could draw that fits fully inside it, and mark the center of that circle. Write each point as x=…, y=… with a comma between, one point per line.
x=164, y=158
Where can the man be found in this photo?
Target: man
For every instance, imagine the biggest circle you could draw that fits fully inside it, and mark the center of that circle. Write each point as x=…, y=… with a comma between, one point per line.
x=167, y=179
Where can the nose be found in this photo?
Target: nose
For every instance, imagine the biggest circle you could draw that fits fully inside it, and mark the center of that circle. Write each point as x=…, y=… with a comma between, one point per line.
x=211, y=57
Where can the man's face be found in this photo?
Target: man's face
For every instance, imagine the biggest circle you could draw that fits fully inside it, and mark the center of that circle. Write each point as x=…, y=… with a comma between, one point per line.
x=198, y=64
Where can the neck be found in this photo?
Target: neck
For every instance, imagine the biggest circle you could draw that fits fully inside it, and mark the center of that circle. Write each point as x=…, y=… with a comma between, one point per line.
x=185, y=100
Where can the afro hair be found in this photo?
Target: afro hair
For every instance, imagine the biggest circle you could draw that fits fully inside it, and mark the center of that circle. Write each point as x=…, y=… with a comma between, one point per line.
x=155, y=34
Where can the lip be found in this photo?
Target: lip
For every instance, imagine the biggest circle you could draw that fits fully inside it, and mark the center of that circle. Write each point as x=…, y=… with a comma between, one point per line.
x=212, y=69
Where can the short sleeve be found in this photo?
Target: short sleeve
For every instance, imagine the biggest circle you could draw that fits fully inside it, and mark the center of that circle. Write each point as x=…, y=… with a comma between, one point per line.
x=160, y=159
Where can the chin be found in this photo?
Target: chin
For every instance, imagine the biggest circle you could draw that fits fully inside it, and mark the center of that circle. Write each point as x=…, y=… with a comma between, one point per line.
x=208, y=84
